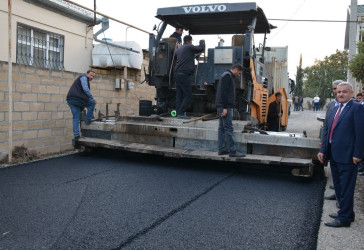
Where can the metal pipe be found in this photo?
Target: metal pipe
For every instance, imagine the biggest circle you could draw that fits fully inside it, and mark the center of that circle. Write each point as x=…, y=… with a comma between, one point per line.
x=105, y=26
x=10, y=87
x=116, y=20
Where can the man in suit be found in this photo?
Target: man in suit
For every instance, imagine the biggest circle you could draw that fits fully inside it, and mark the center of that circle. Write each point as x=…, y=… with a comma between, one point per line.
x=330, y=107
x=343, y=145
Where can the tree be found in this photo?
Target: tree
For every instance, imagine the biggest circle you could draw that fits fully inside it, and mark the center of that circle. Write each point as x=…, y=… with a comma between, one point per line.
x=319, y=77
x=356, y=63
x=299, y=79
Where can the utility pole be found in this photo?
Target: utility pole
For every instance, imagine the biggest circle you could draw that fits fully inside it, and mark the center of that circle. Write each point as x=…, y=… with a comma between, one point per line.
x=352, y=38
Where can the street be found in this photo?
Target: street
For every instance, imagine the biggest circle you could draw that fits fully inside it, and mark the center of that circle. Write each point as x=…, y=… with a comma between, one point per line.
x=113, y=200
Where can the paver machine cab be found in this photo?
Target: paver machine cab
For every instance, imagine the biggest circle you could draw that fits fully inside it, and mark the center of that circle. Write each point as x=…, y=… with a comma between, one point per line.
x=242, y=21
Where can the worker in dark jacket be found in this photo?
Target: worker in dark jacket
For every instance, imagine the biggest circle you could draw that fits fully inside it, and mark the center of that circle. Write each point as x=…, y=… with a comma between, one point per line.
x=275, y=113
x=178, y=34
x=78, y=97
x=183, y=71
x=225, y=102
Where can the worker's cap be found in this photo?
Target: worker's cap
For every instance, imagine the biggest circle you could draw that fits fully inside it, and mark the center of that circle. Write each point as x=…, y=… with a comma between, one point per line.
x=187, y=38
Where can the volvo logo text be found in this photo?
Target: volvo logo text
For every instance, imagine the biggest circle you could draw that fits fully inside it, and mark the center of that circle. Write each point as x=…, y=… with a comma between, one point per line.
x=204, y=8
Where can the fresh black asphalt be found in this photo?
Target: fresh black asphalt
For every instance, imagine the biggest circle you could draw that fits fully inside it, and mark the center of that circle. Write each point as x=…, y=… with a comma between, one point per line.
x=114, y=200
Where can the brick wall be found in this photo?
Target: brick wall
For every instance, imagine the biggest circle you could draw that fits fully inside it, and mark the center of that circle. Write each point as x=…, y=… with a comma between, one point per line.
x=42, y=120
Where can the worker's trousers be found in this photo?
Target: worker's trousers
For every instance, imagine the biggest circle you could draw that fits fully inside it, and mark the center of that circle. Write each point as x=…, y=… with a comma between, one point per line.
x=225, y=131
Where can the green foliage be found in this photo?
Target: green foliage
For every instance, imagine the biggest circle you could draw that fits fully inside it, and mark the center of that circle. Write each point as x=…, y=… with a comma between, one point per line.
x=356, y=63
x=318, y=78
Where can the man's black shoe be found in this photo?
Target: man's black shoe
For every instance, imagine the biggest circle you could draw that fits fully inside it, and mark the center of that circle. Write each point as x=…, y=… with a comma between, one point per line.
x=360, y=167
x=88, y=122
x=237, y=154
x=337, y=223
x=331, y=187
x=222, y=153
x=335, y=215
x=183, y=117
x=330, y=197
x=77, y=137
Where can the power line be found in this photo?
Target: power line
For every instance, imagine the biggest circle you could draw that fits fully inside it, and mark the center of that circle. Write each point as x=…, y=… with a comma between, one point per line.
x=307, y=20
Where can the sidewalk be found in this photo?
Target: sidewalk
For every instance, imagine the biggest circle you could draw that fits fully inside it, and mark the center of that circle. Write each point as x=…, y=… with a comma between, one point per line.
x=346, y=237
x=332, y=238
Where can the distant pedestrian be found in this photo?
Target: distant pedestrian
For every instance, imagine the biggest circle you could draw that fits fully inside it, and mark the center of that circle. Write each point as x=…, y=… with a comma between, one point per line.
x=295, y=103
x=300, y=103
x=316, y=103
x=359, y=97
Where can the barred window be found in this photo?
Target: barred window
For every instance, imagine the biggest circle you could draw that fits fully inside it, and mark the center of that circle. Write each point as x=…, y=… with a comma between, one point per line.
x=39, y=48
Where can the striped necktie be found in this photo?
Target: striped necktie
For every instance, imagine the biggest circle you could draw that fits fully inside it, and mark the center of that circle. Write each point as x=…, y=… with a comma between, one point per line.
x=335, y=120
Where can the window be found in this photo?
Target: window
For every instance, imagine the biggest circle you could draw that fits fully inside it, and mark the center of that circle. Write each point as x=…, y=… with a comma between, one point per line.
x=39, y=48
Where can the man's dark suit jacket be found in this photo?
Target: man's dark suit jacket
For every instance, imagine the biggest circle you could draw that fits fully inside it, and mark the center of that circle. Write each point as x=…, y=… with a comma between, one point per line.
x=348, y=135
x=330, y=108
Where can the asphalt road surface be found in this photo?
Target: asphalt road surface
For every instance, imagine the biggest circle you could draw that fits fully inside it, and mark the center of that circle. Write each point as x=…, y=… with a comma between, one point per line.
x=114, y=200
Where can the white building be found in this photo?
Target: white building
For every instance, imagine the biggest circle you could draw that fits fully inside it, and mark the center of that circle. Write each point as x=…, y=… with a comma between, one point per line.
x=47, y=33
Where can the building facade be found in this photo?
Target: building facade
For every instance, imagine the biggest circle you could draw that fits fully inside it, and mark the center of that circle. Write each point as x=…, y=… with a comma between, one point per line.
x=51, y=45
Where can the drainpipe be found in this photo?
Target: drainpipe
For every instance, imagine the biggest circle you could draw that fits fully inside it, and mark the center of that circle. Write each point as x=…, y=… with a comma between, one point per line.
x=10, y=87
x=105, y=26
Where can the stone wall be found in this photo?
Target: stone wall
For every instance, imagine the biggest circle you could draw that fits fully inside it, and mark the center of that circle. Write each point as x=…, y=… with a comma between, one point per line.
x=42, y=120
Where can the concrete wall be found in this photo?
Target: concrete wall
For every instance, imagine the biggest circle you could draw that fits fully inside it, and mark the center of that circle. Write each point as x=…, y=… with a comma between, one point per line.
x=42, y=120
x=78, y=37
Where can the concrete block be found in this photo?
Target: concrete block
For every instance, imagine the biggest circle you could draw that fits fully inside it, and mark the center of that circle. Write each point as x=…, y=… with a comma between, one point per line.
x=52, y=90
x=3, y=136
x=57, y=115
x=58, y=98
x=32, y=79
x=29, y=97
x=46, y=80
x=3, y=75
x=36, y=106
x=18, y=77
x=39, y=89
x=57, y=131
x=23, y=87
x=42, y=72
x=27, y=69
x=29, y=116
x=54, y=149
x=44, y=133
x=60, y=123
x=44, y=115
x=49, y=124
x=50, y=107
x=56, y=73
x=35, y=125
x=21, y=106
x=44, y=98
x=4, y=106
x=20, y=125
x=30, y=134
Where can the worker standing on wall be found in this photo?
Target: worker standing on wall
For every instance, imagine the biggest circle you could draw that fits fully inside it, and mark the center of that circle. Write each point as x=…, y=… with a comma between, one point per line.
x=78, y=97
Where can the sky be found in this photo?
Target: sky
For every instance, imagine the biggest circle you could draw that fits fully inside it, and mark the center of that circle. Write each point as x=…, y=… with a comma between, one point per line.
x=312, y=40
